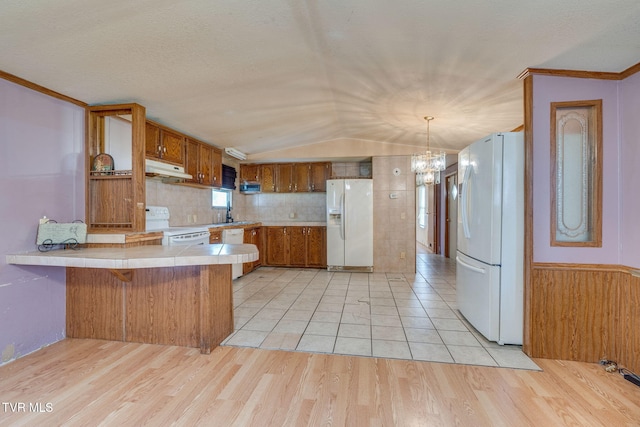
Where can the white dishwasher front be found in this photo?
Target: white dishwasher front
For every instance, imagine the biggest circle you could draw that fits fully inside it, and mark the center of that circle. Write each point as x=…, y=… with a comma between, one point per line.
x=234, y=236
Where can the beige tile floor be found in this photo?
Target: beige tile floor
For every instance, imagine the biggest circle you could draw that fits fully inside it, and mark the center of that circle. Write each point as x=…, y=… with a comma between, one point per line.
x=391, y=315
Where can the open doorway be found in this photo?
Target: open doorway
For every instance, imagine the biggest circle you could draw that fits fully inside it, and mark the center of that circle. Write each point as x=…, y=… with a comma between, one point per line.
x=426, y=218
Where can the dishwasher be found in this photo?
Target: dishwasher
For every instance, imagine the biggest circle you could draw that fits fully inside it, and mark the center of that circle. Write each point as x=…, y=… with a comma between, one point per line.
x=234, y=236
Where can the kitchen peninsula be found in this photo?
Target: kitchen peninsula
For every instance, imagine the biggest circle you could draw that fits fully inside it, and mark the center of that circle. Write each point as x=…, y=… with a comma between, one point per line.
x=171, y=295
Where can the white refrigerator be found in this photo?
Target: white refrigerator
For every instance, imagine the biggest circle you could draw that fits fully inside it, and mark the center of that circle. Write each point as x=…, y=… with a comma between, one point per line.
x=489, y=262
x=350, y=224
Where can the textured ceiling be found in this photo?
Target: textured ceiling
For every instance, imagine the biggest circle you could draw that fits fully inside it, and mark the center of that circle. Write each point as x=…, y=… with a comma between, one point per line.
x=269, y=75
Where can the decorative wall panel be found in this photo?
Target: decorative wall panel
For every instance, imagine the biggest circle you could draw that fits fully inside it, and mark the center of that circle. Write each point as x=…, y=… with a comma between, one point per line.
x=576, y=163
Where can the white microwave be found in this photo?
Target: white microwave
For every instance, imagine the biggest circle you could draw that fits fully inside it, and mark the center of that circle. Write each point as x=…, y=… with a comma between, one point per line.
x=250, y=187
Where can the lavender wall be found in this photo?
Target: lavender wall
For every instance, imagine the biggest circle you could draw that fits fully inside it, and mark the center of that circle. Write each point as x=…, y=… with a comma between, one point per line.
x=630, y=170
x=547, y=89
x=41, y=173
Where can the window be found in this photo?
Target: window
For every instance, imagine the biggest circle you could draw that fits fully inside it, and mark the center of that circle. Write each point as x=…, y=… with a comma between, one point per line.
x=422, y=206
x=221, y=198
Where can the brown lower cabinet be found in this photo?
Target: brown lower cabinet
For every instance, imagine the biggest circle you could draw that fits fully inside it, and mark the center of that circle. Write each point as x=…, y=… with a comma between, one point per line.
x=253, y=236
x=297, y=246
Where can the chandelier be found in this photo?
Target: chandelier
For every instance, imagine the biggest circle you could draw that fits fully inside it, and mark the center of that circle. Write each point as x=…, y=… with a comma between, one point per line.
x=427, y=166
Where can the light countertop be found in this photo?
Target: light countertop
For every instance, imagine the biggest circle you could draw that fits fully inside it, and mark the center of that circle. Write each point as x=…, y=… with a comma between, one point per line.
x=246, y=224
x=140, y=257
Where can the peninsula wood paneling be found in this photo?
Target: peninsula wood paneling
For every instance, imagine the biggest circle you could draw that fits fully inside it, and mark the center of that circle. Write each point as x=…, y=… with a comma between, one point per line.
x=162, y=306
x=585, y=313
x=94, y=304
x=190, y=306
x=216, y=310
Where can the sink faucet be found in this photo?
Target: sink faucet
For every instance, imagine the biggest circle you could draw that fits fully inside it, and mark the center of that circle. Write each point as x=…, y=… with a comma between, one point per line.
x=229, y=217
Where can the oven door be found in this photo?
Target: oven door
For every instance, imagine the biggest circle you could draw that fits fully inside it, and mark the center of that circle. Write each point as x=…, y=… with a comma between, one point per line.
x=196, y=238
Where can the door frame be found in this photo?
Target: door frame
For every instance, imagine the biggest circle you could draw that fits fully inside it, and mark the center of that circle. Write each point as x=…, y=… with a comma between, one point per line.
x=447, y=220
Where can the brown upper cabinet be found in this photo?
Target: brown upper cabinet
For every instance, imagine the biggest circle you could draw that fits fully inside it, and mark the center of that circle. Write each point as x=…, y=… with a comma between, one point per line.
x=285, y=178
x=250, y=172
x=204, y=163
x=319, y=173
x=268, y=177
x=288, y=177
x=164, y=144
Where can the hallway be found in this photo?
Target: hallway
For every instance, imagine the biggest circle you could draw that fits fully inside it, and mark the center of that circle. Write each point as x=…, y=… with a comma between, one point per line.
x=389, y=315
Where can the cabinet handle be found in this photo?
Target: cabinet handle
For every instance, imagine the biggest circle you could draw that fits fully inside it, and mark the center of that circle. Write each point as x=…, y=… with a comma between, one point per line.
x=285, y=230
x=164, y=149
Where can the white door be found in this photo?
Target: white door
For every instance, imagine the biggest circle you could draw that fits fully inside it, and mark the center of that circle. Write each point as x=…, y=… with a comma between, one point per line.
x=478, y=295
x=358, y=222
x=480, y=200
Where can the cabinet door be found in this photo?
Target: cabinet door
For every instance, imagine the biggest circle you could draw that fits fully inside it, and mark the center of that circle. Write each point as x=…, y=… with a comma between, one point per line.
x=205, y=164
x=285, y=176
x=247, y=267
x=191, y=159
x=257, y=240
x=151, y=141
x=172, y=147
x=301, y=177
x=316, y=247
x=254, y=237
x=277, y=246
x=297, y=246
x=216, y=167
x=250, y=172
x=268, y=178
x=319, y=174
x=215, y=236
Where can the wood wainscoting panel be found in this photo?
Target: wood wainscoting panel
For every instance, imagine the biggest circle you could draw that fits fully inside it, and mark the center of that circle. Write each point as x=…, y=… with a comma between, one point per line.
x=216, y=309
x=585, y=313
x=189, y=306
x=162, y=306
x=94, y=304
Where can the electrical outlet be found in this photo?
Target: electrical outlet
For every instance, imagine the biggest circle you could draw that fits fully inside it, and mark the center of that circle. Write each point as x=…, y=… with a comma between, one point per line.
x=403, y=215
x=195, y=218
x=189, y=219
x=403, y=255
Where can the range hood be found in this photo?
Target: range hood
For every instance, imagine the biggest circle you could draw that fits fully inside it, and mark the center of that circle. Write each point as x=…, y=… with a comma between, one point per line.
x=156, y=168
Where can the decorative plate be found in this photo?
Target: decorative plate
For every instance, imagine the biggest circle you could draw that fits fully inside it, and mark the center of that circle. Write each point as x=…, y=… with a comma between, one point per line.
x=103, y=163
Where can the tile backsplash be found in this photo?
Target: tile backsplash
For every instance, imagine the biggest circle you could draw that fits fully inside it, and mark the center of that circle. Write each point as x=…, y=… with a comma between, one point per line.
x=193, y=205
x=283, y=207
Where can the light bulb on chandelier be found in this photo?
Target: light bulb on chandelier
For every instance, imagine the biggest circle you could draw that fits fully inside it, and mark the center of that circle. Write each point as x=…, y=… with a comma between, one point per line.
x=427, y=166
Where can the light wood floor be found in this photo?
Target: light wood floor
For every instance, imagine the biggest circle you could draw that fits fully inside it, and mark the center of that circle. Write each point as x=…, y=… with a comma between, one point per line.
x=89, y=382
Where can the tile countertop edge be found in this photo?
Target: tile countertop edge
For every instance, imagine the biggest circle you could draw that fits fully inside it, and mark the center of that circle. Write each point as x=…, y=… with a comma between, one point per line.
x=142, y=257
x=294, y=223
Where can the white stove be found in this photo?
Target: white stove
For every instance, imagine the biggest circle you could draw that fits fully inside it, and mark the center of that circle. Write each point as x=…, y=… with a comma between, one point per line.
x=157, y=219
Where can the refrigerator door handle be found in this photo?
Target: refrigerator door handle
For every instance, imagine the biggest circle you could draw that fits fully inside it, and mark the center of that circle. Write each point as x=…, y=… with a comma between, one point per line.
x=342, y=218
x=464, y=195
x=469, y=266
